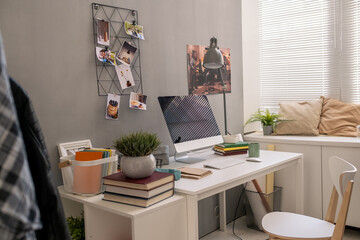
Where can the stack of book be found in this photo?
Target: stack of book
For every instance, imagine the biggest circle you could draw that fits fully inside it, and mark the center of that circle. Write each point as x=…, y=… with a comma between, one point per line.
x=142, y=192
x=226, y=149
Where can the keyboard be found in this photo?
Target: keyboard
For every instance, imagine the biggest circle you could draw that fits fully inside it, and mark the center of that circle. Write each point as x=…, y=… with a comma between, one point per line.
x=221, y=163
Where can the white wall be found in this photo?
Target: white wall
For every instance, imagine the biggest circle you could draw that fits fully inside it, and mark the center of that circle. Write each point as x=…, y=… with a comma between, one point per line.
x=50, y=52
x=251, y=89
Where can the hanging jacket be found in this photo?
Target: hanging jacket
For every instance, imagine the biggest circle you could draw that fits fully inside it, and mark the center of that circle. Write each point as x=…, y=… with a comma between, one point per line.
x=51, y=210
x=19, y=213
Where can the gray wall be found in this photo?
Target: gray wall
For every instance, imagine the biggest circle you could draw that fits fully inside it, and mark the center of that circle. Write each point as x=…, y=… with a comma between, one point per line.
x=50, y=52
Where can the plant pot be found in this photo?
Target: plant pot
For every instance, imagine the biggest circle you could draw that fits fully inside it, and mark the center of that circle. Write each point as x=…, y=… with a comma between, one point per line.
x=138, y=167
x=267, y=129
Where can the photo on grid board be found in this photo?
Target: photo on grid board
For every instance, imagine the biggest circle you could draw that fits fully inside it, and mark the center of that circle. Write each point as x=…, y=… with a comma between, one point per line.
x=125, y=76
x=137, y=101
x=134, y=30
x=106, y=56
x=126, y=53
x=103, y=32
x=112, y=106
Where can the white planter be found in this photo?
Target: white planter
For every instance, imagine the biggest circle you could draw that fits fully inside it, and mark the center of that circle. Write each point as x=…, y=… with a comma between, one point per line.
x=267, y=129
x=138, y=167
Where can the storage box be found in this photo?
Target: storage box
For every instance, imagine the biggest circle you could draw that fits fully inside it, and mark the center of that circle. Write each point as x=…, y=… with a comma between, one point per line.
x=85, y=177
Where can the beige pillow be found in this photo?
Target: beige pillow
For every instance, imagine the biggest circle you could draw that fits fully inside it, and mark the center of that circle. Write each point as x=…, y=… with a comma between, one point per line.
x=304, y=116
x=339, y=118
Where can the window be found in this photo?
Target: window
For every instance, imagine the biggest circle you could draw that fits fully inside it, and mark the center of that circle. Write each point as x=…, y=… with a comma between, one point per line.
x=301, y=55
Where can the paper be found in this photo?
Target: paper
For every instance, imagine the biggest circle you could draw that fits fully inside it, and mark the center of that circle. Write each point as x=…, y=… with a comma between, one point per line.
x=112, y=106
x=137, y=101
x=103, y=33
x=125, y=76
x=126, y=54
x=134, y=30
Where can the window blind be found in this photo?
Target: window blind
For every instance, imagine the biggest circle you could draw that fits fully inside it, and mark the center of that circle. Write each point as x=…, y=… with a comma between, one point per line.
x=297, y=51
x=350, y=54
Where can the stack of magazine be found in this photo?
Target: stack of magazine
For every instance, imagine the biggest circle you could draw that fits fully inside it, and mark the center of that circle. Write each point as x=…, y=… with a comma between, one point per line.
x=227, y=149
x=142, y=192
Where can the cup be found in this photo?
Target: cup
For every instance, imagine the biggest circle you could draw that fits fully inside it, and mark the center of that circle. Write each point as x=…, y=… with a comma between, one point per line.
x=254, y=150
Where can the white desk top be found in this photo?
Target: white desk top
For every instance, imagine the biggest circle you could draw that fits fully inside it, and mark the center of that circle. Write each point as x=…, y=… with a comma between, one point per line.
x=272, y=161
x=321, y=140
x=118, y=208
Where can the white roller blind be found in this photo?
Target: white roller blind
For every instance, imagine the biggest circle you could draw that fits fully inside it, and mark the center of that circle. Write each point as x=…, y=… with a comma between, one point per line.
x=297, y=51
x=350, y=59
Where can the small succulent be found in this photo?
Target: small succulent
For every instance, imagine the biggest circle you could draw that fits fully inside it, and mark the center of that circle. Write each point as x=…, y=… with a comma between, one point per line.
x=137, y=144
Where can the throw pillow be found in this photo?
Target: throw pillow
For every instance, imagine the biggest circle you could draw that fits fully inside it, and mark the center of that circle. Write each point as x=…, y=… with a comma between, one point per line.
x=339, y=118
x=304, y=118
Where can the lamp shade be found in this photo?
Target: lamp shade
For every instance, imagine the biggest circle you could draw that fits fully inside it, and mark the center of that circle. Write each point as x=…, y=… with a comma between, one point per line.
x=213, y=58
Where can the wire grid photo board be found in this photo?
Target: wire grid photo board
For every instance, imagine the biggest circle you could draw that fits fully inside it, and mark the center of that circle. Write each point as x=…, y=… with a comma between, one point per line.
x=107, y=79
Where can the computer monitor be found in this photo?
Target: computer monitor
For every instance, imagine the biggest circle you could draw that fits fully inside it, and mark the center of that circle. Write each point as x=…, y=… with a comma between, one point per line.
x=191, y=124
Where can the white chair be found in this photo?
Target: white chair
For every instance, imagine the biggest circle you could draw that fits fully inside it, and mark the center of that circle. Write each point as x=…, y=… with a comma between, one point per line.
x=284, y=225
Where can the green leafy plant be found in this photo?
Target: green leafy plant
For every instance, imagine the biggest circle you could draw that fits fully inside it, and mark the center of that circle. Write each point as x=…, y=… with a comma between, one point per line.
x=77, y=227
x=137, y=144
x=265, y=117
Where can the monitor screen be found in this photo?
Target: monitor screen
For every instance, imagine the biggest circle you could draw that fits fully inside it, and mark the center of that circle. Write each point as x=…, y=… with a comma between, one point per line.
x=190, y=121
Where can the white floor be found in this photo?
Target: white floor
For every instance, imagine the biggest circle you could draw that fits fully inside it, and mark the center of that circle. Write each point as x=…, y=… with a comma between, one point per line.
x=250, y=234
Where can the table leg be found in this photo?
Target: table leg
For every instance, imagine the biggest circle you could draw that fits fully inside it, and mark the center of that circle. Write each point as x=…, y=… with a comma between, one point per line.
x=192, y=217
x=222, y=206
x=300, y=186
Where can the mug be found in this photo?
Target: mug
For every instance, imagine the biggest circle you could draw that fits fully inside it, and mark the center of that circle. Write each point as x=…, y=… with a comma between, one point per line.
x=254, y=150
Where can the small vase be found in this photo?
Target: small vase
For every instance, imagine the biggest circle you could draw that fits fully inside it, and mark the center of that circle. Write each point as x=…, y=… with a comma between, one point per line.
x=267, y=129
x=138, y=167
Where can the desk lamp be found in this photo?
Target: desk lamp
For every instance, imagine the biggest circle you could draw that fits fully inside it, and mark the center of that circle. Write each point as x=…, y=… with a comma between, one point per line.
x=214, y=60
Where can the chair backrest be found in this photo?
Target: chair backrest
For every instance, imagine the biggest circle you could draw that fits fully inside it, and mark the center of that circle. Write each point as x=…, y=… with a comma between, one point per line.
x=341, y=173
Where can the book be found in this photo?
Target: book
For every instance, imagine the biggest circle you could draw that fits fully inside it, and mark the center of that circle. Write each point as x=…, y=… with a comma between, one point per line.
x=230, y=153
x=137, y=201
x=230, y=149
x=139, y=193
x=231, y=145
x=148, y=183
x=194, y=173
x=88, y=156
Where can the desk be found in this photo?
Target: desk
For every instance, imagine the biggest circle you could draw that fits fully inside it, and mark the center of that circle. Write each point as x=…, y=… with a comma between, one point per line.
x=222, y=180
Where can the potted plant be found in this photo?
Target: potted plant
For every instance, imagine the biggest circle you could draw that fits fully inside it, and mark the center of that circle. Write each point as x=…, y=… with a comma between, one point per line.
x=77, y=227
x=137, y=148
x=268, y=120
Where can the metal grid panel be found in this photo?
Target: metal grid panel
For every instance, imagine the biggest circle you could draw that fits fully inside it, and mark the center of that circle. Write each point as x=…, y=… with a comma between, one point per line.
x=107, y=79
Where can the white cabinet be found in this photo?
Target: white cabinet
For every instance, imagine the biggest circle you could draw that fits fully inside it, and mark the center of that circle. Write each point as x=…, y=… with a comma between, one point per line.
x=111, y=221
x=316, y=150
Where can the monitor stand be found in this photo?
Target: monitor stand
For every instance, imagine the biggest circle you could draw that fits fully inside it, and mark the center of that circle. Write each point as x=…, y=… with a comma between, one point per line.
x=191, y=157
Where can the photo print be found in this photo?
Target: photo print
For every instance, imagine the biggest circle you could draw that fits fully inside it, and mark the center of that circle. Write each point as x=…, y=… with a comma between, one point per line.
x=134, y=30
x=202, y=81
x=112, y=106
x=137, y=101
x=103, y=32
x=126, y=53
x=106, y=56
x=125, y=76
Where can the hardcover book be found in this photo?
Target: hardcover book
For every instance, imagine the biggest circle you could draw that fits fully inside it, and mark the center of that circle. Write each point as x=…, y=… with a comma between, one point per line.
x=138, y=192
x=137, y=201
x=231, y=145
x=148, y=183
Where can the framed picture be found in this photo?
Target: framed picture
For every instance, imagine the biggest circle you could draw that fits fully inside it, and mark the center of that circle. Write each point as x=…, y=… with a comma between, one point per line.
x=70, y=148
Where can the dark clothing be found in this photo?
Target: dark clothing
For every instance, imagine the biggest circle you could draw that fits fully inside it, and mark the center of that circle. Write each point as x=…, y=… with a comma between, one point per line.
x=51, y=210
